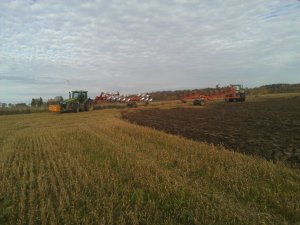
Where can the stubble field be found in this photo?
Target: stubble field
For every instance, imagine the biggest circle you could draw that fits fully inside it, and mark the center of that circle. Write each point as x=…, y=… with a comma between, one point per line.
x=95, y=168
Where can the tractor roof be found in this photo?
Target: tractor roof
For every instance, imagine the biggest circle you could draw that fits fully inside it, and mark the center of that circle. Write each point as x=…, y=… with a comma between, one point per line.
x=79, y=91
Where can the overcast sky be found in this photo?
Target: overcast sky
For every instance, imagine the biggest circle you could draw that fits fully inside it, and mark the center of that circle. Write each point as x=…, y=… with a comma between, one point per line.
x=49, y=47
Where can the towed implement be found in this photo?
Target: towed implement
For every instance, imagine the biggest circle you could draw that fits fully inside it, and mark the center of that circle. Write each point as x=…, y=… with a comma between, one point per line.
x=131, y=101
x=232, y=93
x=78, y=101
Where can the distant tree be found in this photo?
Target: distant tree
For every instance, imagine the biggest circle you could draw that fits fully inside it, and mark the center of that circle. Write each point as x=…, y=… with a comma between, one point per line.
x=37, y=102
x=275, y=88
x=3, y=105
x=55, y=100
x=40, y=102
x=33, y=103
x=265, y=89
x=59, y=98
x=21, y=105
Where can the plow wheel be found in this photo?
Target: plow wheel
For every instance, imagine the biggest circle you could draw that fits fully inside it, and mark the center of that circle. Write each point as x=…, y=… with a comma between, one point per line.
x=132, y=105
x=198, y=102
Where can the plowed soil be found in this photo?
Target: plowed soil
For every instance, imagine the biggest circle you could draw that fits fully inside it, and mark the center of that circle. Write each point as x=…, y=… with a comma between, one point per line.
x=269, y=128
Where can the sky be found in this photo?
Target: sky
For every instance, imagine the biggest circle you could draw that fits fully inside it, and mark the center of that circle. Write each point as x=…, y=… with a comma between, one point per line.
x=50, y=47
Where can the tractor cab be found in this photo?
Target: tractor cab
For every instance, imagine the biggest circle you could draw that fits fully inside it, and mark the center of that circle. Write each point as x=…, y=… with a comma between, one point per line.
x=80, y=95
x=238, y=88
x=237, y=93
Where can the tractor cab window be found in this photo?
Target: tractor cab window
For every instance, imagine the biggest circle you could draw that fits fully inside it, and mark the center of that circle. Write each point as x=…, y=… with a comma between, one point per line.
x=75, y=94
x=236, y=87
x=81, y=95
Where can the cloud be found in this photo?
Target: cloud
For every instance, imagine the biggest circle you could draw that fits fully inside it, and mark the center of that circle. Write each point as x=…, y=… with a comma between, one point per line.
x=135, y=46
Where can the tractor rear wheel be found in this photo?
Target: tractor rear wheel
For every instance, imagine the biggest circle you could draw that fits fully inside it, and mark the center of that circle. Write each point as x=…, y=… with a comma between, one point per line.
x=89, y=106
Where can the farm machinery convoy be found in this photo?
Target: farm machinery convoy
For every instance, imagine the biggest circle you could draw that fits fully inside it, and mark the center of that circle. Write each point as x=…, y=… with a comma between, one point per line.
x=79, y=100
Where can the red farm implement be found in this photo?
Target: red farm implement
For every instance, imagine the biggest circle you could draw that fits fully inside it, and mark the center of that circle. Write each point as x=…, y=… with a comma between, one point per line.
x=232, y=93
x=131, y=101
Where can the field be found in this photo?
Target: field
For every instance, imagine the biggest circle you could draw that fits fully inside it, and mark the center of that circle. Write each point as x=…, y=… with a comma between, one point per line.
x=95, y=168
x=22, y=110
x=268, y=127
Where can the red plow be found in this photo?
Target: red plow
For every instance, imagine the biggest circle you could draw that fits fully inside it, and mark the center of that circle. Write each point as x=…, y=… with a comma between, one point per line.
x=131, y=101
x=232, y=93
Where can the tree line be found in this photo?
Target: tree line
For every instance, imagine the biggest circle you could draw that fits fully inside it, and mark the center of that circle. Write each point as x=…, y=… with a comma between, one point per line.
x=265, y=89
x=35, y=103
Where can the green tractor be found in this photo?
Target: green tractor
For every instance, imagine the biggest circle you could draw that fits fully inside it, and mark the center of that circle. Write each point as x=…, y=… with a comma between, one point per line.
x=78, y=101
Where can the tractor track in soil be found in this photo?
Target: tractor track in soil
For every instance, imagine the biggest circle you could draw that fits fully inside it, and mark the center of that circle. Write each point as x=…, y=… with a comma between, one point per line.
x=269, y=128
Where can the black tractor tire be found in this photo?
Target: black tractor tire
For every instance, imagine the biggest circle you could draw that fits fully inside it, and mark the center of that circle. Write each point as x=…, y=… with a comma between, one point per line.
x=132, y=105
x=89, y=106
x=198, y=102
x=75, y=107
x=243, y=97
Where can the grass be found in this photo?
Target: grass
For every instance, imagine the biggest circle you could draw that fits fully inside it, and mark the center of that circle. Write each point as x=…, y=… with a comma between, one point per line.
x=94, y=168
x=21, y=110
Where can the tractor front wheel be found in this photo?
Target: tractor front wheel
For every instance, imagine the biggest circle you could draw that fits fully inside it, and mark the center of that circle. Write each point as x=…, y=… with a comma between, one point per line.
x=75, y=107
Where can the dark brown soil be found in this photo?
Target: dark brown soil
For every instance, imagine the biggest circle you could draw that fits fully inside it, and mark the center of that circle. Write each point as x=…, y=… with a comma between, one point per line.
x=268, y=128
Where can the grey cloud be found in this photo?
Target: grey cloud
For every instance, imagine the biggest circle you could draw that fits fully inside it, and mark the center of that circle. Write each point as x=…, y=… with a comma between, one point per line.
x=154, y=45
